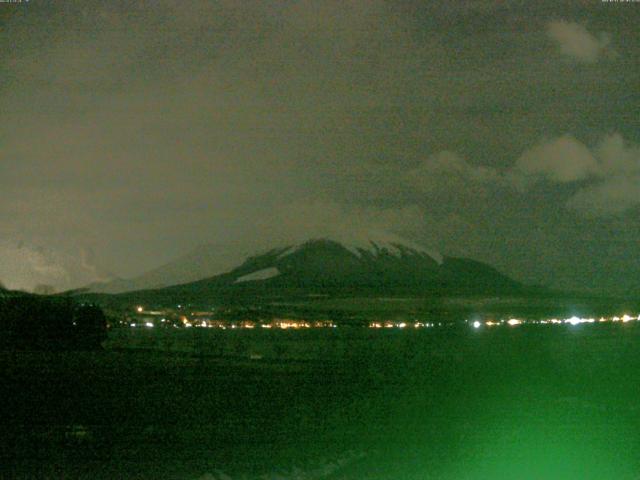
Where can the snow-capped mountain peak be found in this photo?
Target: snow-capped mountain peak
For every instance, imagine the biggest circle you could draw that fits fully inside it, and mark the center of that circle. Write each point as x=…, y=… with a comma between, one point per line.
x=372, y=265
x=389, y=244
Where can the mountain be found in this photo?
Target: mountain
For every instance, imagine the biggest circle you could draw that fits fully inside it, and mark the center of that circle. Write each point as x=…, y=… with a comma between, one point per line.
x=210, y=260
x=6, y=293
x=326, y=266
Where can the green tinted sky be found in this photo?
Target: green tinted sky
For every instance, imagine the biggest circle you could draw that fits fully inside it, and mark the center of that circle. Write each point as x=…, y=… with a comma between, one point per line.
x=504, y=131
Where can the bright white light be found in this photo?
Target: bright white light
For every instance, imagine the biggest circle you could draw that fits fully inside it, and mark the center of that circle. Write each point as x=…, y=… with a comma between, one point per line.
x=132, y=324
x=626, y=318
x=139, y=309
x=514, y=321
x=476, y=324
x=148, y=324
x=402, y=325
x=577, y=320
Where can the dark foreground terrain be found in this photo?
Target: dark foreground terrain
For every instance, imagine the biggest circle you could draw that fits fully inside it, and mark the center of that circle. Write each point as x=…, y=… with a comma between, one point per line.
x=529, y=402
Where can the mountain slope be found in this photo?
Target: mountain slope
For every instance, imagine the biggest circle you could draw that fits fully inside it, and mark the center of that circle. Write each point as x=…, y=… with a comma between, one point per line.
x=204, y=261
x=324, y=266
x=215, y=259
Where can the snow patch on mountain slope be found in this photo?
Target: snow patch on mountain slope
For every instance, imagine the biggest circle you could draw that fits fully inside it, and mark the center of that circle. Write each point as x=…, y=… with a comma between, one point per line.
x=263, y=274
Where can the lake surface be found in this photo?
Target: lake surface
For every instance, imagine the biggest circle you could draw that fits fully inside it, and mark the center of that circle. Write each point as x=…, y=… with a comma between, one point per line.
x=527, y=402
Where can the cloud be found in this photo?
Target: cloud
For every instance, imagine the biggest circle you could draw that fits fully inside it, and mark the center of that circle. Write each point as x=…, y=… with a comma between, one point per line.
x=618, y=188
x=576, y=42
x=299, y=221
x=560, y=160
x=26, y=267
x=447, y=169
x=607, y=176
x=613, y=196
x=618, y=158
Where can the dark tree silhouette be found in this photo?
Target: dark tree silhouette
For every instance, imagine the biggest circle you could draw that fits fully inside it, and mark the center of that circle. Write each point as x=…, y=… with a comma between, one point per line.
x=50, y=323
x=90, y=326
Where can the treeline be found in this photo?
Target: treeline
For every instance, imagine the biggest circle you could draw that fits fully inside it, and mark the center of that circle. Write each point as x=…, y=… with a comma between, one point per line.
x=50, y=323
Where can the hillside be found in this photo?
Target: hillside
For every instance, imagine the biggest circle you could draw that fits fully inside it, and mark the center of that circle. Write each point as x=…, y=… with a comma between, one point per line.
x=327, y=267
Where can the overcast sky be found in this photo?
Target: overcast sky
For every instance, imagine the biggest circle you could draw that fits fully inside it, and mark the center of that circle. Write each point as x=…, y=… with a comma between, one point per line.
x=133, y=131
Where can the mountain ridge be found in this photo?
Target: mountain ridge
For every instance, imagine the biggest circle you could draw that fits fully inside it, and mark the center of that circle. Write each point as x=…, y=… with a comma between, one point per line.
x=325, y=266
x=208, y=260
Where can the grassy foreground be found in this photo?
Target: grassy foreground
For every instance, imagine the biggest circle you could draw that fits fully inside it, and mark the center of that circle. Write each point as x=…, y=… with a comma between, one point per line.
x=527, y=402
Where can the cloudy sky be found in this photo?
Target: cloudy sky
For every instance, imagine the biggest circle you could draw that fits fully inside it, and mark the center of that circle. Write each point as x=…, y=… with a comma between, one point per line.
x=133, y=131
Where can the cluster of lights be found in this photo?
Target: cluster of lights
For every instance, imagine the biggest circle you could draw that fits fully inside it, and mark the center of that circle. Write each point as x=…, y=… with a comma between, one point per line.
x=285, y=324
x=298, y=324
x=569, y=321
x=206, y=323
x=390, y=324
x=246, y=324
x=145, y=324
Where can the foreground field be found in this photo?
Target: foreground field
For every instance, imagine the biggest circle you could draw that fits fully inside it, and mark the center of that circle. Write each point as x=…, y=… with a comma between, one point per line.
x=454, y=403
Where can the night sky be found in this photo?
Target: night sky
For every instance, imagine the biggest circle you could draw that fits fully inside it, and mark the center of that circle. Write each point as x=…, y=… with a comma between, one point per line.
x=133, y=131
